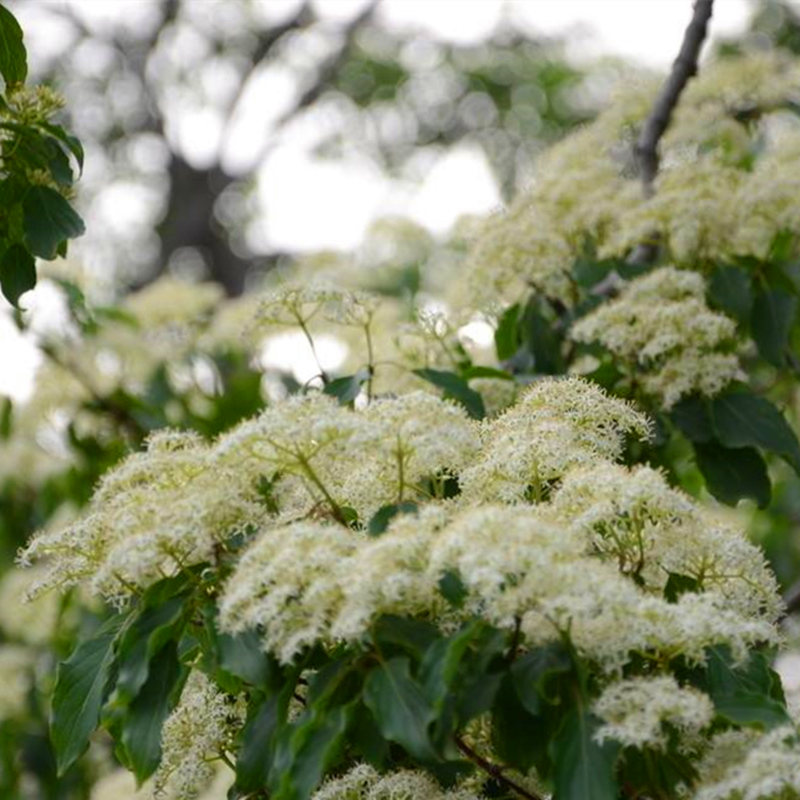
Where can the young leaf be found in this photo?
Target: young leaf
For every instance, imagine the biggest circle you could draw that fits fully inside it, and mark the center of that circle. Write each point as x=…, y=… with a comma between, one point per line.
x=401, y=710
x=584, y=769
x=82, y=683
x=13, y=58
x=770, y=323
x=455, y=388
x=17, y=272
x=733, y=473
x=743, y=419
x=48, y=221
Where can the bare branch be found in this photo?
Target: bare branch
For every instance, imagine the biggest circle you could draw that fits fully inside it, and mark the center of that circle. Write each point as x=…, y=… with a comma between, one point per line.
x=684, y=67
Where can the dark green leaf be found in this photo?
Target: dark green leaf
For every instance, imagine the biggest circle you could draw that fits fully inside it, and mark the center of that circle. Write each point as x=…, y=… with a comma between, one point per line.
x=17, y=272
x=401, y=710
x=534, y=674
x=243, y=656
x=13, y=58
x=468, y=373
x=141, y=725
x=506, y=336
x=384, y=515
x=771, y=321
x=584, y=769
x=6, y=417
x=742, y=419
x=70, y=142
x=732, y=474
x=253, y=761
x=745, y=694
x=346, y=389
x=519, y=738
x=452, y=588
x=542, y=338
x=730, y=289
x=692, y=418
x=82, y=683
x=315, y=744
x=59, y=166
x=412, y=635
x=150, y=631
x=48, y=220
x=455, y=388
x=677, y=585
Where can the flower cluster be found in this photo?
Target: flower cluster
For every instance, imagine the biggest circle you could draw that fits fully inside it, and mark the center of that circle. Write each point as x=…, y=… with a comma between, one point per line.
x=662, y=328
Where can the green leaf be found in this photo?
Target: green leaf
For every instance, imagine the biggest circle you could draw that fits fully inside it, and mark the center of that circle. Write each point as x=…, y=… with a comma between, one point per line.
x=518, y=737
x=730, y=288
x=70, y=142
x=455, y=388
x=477, y=371
x=584, y=769
x=400, y=707
x=13, y=58
x=452, y=588
x=6, y=417
x=142, y=640
x=242, y=655
x=384, y=515
x=82, y=683
x=534, y=674
x=542, y=337
x=414, y=636
x=315, y=745
x=693, y=419
x=732, y=474
x=141, y=725
x=745, y=694
x=17, y=272
x=346, y=389
x=48, y=221
x=771, y=321
x=743, y=419
x=677, y=585
x=506, y=336
x=253, y=761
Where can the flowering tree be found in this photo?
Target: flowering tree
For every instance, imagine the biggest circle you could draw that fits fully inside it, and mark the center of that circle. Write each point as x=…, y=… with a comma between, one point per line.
x=441, y=569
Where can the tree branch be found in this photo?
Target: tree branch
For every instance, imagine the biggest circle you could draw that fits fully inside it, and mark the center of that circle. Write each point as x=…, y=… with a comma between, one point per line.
x=493, y=770
x=684, y=67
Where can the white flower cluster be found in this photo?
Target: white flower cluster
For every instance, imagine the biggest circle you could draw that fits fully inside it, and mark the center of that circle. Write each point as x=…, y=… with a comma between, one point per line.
x=364, y=782
x=196, y=733
x=662, y=329
x=634, y=711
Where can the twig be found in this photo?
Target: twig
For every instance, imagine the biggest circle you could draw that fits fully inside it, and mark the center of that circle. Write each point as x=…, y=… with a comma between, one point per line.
x=791, y=599
x=493, y=770
x=684, y=67
x=646, y=148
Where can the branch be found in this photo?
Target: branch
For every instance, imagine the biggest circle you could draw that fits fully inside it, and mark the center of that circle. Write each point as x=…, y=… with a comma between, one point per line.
x=493, y=770
x=791, y=599
x=684, y=67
